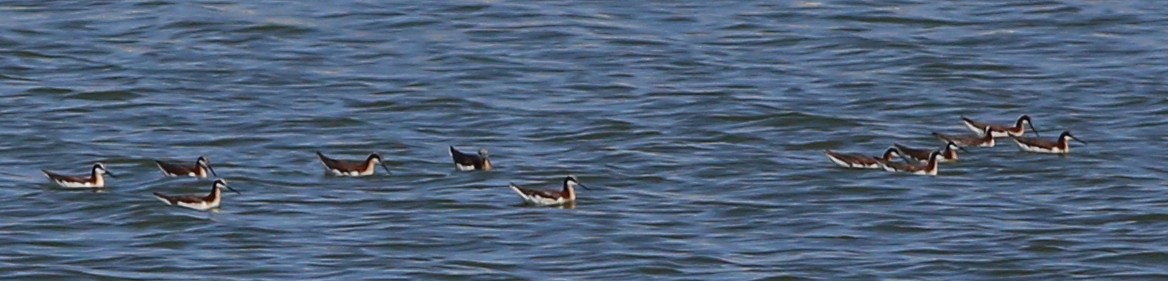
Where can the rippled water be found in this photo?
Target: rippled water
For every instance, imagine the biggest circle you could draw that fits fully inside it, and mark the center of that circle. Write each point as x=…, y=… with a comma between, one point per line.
x=699, y=126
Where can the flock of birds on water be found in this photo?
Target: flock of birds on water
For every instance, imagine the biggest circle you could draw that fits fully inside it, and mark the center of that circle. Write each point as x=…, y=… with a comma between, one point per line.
x=916, y=161
x=925, y=161
x=345, y=168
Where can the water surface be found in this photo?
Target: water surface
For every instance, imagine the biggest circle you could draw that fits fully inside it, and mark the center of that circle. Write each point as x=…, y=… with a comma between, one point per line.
x=700, y=127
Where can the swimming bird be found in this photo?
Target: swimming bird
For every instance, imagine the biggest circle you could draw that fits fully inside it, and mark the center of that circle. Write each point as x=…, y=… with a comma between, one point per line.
x=860, y=161
x=352, y=168
x=999, y=131
x=928, y=168
x=468, y=162
x=984, y=140
x=550, y=198
x=201, y=203
x=95, y=179
x=948, y=153
x=201, y=169
x=1062, y=145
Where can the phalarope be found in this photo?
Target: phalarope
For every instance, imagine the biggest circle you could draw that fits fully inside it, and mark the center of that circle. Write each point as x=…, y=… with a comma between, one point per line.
x=928, y=168
x=469, y=162
x=986, y=139
x=352, y=168
x=95, y=179
x=948, y=153
x=201, y=169
x=550, y=198
x=999, y=131
x=197, y=202
x=1062, y=145
x=860, y=161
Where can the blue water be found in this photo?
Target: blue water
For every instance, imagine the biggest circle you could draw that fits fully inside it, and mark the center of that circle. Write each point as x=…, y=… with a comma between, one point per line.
x=700, y=127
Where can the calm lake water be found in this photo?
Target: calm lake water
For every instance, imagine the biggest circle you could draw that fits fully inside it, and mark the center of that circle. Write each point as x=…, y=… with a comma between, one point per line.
x=699, y=126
